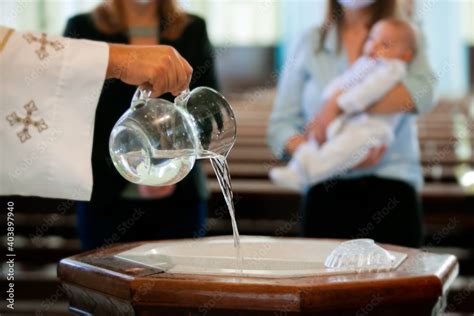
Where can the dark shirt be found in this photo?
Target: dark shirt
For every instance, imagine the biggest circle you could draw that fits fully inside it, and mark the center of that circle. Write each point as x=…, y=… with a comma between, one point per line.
x=194, y=46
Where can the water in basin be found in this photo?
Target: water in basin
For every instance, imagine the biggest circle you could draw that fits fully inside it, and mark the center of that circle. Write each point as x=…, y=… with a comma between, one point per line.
x=264, y=256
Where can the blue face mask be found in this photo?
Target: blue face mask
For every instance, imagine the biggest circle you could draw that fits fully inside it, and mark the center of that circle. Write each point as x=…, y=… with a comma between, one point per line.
x=355, y=4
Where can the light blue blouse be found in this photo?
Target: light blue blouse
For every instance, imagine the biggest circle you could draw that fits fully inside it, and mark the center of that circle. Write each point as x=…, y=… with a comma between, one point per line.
x=305, y=74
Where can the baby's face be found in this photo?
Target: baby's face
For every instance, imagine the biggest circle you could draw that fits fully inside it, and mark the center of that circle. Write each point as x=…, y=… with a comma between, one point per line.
x=387, y=41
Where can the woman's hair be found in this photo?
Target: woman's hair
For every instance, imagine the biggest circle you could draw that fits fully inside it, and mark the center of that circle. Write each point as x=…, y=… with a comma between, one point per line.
x=109, y=18
x=335, y=17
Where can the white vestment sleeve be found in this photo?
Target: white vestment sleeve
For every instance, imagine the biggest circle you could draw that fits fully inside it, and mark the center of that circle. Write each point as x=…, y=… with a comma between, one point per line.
x=50, y=87
x=373, y=87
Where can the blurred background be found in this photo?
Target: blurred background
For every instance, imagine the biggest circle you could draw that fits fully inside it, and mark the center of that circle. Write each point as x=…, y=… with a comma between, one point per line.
x=251, y=39
x=260, y=32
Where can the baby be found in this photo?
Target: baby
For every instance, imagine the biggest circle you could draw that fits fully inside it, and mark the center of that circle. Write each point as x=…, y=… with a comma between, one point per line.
x=390, y=46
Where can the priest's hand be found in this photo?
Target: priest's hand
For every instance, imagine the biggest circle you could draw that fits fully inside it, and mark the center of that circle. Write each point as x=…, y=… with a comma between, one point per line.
x=159, y=68
x=152, y=192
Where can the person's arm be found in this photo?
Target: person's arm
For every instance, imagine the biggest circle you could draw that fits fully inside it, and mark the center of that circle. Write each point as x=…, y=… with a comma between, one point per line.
x=371, y=88
x=158, y=68
x=415, y=93
x=61, y=101
x=64, y=79
x=286, y=120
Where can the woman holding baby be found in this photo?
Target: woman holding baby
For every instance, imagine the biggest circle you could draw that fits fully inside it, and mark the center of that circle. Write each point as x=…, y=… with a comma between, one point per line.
x=374, y=194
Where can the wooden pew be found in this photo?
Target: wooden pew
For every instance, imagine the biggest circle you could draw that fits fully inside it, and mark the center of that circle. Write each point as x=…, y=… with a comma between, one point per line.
x=259, y=170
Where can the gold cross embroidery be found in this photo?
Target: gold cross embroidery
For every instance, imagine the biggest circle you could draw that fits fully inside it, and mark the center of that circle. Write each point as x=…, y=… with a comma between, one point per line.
x=41, y=52
x=24, y=134
x=5, y=38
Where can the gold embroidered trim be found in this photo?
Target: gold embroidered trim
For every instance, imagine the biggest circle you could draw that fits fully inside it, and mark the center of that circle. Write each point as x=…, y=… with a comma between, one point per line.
x=5, y=39
x=41, y=51
x=14, y=119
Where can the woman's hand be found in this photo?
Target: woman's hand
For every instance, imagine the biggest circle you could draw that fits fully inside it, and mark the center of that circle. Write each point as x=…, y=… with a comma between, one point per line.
x=152, y=192
x=318, y=126
x=373, y=157
x=157, y=68
x=294, y=143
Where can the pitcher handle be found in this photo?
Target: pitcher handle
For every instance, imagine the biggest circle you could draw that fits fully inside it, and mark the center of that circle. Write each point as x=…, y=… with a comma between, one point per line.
x=180, y=100
x=140, y=97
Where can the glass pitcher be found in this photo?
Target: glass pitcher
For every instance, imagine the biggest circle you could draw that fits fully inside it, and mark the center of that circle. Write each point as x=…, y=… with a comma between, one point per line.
x=156, y=142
